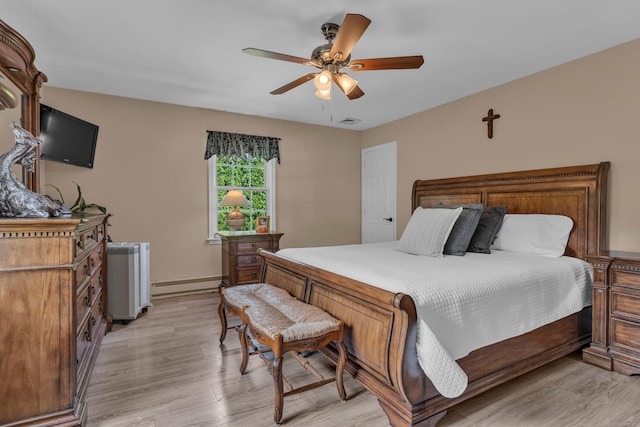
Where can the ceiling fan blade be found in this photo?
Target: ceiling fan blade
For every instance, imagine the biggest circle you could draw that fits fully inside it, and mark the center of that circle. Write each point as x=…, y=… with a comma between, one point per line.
x=279, y=56
x=355, y=91
x=349, y=33
x=293, y=84
x=395, y=63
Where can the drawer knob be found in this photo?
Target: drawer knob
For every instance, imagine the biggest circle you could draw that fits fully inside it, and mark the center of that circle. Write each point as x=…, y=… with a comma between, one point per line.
x=79, y=244
x=254, y=245
x=87, y=301
x=93, y=320
x=254, y=259
x=254, y=274
x=87, y=336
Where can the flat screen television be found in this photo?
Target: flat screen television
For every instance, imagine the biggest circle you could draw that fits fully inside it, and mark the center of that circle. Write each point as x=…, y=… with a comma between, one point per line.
x=66, y=139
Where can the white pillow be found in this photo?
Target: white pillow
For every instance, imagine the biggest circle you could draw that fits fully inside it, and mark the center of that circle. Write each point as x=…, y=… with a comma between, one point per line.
x=427, y=231
x=534, y=233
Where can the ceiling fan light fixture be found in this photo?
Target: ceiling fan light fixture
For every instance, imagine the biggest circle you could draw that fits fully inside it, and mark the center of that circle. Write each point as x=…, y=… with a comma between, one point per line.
x=322, y=80
x=346, y=82
x=324, y=93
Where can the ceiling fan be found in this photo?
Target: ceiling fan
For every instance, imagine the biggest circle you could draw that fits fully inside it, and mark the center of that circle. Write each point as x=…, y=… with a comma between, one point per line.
x=335, y=55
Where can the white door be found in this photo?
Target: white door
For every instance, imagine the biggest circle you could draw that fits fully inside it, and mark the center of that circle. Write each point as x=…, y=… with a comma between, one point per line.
x=379, y=193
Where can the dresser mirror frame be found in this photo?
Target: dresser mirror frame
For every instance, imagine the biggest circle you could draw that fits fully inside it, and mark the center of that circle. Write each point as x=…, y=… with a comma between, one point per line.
x=17, y=65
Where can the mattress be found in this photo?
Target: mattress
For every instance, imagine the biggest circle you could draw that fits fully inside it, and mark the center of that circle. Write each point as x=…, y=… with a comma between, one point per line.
x=463, y=302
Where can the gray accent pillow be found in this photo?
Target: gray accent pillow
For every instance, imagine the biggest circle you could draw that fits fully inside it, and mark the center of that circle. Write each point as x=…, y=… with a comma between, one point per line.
x=487, y=230
x=463, y=229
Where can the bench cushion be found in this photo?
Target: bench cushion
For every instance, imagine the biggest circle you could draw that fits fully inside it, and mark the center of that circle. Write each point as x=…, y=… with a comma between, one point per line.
x=274, y=311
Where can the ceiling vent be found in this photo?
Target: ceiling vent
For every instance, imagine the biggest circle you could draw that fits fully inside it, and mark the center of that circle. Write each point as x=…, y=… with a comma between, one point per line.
x=349, y=121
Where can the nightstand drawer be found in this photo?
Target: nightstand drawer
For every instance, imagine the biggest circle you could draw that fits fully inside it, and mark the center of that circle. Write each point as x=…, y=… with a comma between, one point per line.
x=625, y=278
x=249, y=275
x=253, y=246
x=625, y=304
x=248, y=261
x=625, y=334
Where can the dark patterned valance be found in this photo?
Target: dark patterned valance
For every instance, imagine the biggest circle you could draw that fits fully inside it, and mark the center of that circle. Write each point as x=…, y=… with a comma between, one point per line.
x=237, y=145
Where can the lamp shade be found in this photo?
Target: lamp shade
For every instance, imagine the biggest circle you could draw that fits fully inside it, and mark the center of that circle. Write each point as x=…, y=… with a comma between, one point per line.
x=322, y=80
x=346, y=83
x=324, y=93
x=234, y=198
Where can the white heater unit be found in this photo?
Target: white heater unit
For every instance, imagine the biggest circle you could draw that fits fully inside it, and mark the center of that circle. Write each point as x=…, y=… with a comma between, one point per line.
x=129, y=286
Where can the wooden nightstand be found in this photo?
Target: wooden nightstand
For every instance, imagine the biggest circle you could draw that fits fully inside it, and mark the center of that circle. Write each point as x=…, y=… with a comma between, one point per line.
x=240, y=261
x=616, y=312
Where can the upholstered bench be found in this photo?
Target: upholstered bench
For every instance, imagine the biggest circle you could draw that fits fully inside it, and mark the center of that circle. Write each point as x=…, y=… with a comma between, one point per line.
x=274, y=318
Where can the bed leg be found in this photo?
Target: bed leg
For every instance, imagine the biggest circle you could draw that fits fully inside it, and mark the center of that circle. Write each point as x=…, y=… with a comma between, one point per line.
x=397, y=419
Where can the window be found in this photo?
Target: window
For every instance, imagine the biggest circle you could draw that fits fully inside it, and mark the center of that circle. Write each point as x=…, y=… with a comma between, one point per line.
x=256, y=180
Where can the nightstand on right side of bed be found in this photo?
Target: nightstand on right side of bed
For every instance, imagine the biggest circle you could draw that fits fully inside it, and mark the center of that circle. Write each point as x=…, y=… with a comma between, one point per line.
x=616, y=312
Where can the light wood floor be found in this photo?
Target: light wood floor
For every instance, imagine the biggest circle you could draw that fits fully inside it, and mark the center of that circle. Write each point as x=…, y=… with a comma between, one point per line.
x=167, y=369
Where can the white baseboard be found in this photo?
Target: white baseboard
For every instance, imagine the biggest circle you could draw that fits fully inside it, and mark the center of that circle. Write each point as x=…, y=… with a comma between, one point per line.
x=184, y=287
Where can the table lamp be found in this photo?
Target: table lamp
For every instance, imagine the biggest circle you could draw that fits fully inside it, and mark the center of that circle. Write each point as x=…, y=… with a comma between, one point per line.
x=235, y=218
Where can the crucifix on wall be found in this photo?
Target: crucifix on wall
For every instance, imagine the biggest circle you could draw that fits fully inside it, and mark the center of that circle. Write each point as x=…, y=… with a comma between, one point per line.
x=489, y=119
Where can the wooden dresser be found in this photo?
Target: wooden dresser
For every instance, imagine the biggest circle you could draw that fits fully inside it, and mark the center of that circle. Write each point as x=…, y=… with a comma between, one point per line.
x=53, y=315
x=240, y=261
x=616, y=312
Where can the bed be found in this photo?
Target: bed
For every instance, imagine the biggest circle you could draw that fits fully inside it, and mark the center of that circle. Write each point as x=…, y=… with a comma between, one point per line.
x=381, y=326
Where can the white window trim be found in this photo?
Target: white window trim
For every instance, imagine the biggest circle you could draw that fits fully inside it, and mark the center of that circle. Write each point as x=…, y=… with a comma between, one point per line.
x=270, y=185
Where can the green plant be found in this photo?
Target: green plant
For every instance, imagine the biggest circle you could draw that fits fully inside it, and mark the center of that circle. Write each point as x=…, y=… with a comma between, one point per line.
x=80, y=205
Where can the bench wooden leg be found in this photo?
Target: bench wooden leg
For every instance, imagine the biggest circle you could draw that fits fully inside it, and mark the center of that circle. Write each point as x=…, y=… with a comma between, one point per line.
x=245, y=348
x=223, y=319
x=342, y=361
x=279, y=392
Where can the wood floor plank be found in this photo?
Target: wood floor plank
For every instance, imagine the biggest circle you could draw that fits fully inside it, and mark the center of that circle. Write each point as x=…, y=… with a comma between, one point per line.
x=168, y=369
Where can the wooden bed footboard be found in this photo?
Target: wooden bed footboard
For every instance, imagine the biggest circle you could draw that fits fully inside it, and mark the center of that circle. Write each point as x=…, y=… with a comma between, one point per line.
x=380, y=326
x=380, y=330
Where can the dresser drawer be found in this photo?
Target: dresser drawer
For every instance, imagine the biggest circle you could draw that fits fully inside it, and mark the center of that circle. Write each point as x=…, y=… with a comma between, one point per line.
x=248, y=275
x=87, y=239
x=83, y=305
x=253, y=246
x=625, y=304
x=95, y=288
x=249, y=261
x=89, y=265
x=83, y=342
x=96, y=316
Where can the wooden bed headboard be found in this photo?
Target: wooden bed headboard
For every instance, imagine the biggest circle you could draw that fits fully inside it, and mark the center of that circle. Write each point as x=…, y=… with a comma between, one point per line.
x=579, y=192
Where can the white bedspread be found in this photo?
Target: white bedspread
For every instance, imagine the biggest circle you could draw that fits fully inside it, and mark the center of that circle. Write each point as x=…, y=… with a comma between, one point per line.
x=463, y=303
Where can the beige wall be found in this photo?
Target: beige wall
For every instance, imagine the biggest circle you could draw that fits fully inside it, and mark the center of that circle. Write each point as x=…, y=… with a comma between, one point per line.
x=149, y=168
x=582, y=112
x=150, y=173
